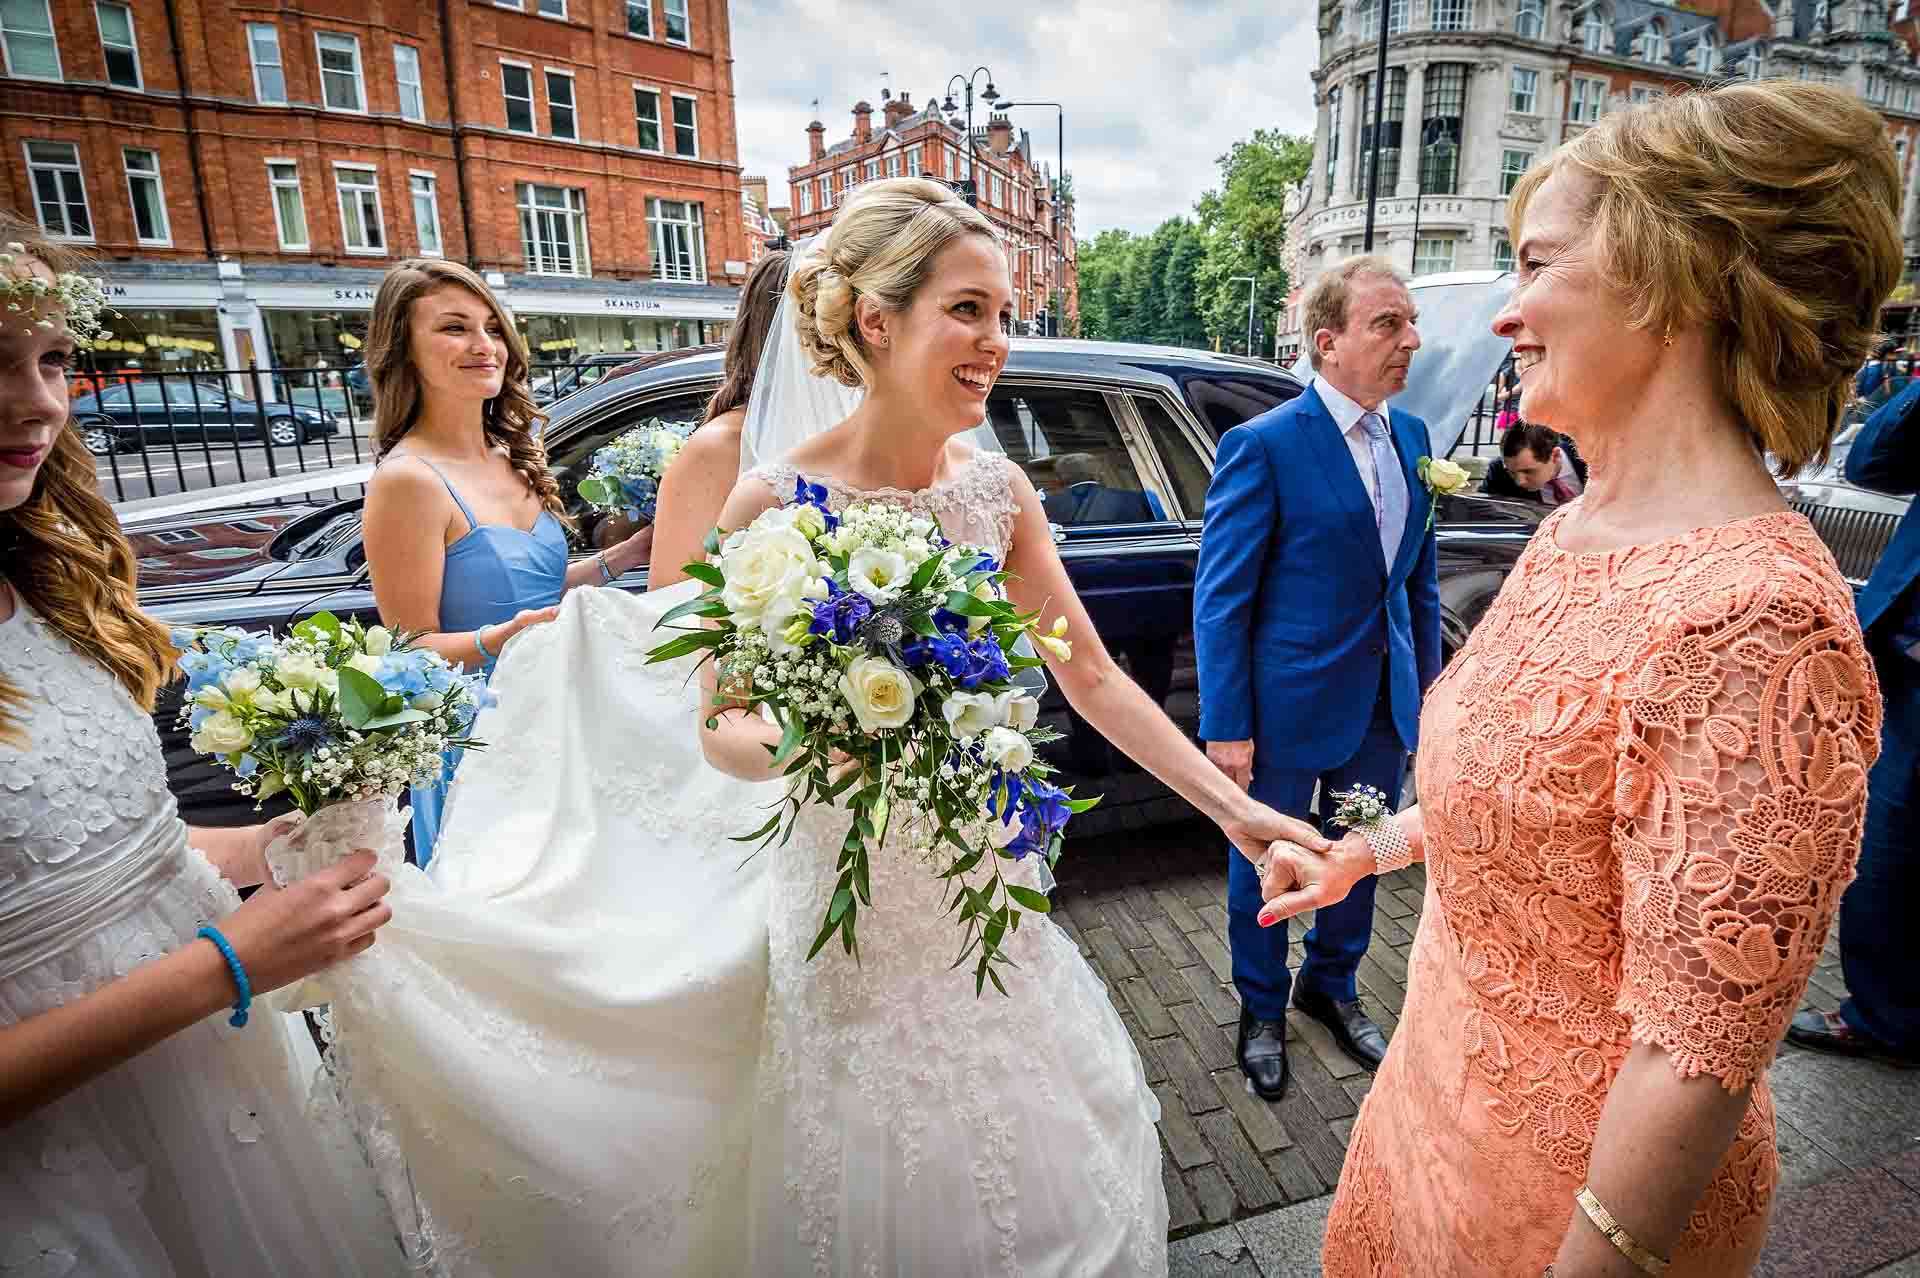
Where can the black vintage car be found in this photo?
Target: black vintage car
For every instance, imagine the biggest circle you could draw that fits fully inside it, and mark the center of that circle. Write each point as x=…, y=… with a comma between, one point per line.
x=1137, y=420
x=129, y=415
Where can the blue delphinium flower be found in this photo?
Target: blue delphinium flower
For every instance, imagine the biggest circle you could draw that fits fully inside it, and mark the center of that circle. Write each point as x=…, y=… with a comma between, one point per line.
x=839, y=616
x=984, y=661
x=815, y=495
x=951, y=623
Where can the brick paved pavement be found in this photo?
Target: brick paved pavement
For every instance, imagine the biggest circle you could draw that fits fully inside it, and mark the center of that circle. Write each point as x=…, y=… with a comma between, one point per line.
x=1248, y=1182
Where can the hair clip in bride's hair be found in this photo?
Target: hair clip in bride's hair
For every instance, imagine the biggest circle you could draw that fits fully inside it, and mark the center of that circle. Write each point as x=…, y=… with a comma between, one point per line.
x=80, y=298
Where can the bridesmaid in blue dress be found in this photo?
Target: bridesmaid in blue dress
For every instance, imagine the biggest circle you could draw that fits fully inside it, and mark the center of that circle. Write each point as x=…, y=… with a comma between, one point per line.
x=464, y=528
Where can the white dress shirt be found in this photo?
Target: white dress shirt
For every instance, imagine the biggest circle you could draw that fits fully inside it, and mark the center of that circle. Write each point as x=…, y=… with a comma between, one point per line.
x=1346, y=415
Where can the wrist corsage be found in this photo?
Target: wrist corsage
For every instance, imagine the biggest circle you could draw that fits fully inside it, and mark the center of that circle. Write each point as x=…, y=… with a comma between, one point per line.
x=1365, y=810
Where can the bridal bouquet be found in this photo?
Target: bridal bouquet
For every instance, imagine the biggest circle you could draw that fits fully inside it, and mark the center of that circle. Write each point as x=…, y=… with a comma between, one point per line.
x=626, y=473
x=884, y=653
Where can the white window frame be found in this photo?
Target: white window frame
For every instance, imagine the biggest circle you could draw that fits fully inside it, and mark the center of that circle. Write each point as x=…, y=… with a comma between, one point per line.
x=419, y=113
x=1706, y=55
x=279, y=64
x=1532, y=106
x=533, y=102
x=1652, y=45
x=697, y=249
x=639, y=7
x=540, y=10
x=1459, y=11
x=1596, y=31
x=1502, y=242
x=51, y=35
x=139, y=73
x=1434, y=264
x=274, y=187
x=803, y=195
x=379, y=211
x=693, y=101
x=667, y=15
x=1877, y=88
x=825, y=181
x=870, y=170
x=549, y=74
x=1595, y=106
x=1641, y=94
x=914, y=165
x=359, y=71
x=660, y=122
x=165, y=239
x=1510, y=175
x=1536, y=10
x=86, y=201
x=574, y=211
x=893, y=164
x=433, y=200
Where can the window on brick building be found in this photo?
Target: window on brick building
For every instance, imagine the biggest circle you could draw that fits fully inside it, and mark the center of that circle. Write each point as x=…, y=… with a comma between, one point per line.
x=1529, y=19
x=1644, y=93
x=914, y=167
x=1525, y=96
x=341, y=88
x=686, y=130
x=803, y=193
x=551, y=8
x=1445, y=106
x=826, y=191
x=59, y=190
x=1586, y=100
x=893, y=165
x=679, y=240
x=846, y=182
x=675, y=13
x=1706, y=55
x=553, y=229
x=406, y=74
x=118, y=43
x=1452, y=15
x=269, y=76
x=289, y=207
x=646, y=114
x=148, y=197
x=1512, y=165
x=640, y=18
x=426, y=213
x=1389, y=135
x=26, y=38
x=361, y=225
x=1652, y=44
x=1596, y=30
x=1433, y=257
x=561, y=122
x=516, y=88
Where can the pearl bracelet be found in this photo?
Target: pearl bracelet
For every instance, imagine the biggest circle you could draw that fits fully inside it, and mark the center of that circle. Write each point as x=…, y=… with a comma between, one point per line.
x=1391, y=851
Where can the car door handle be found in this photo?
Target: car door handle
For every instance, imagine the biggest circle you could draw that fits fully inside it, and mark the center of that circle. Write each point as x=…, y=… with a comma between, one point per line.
x=1059, y=532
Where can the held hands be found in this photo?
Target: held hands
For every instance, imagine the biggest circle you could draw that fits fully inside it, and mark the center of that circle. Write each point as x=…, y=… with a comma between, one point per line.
x=1257, y=829
x=284, y=934
x=1235, y=758
x=1300, y=877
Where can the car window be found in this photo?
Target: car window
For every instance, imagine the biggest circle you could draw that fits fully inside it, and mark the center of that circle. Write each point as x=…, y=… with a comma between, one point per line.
x=1223, y=402
x=146, y=393
x=1070, y=446
x=1185, y=467
x=113, y=397
x=188, y=394
x=571, y=461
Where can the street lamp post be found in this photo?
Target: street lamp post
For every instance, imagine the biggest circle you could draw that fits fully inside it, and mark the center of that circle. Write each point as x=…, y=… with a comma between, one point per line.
x=1379, y=108
x=1253, y=288
x=1059, y=179
x=988, y=95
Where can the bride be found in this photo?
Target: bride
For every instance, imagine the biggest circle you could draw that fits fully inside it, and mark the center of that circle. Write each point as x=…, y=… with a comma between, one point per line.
x=591, y=1035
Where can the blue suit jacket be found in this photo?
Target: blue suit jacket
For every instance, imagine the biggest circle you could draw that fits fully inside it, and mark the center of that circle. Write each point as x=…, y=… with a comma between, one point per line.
x=1294, y=603
x=1886, y=458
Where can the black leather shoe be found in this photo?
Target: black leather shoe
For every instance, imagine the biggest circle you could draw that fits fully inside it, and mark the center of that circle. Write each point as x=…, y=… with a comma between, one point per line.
x=1827, y=1032
x=1349, y=1024
x=1263, y=1056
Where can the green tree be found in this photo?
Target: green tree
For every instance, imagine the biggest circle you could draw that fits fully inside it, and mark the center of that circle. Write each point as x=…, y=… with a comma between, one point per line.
x=1245, y=227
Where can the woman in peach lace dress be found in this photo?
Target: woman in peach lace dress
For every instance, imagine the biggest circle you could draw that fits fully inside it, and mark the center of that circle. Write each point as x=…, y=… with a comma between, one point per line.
x=1645, y=774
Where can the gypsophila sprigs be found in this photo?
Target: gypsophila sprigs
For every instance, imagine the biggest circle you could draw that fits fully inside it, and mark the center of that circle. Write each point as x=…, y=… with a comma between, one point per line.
x=334, y=712
x=869, y=637
x=31, y=300
x=626, y=474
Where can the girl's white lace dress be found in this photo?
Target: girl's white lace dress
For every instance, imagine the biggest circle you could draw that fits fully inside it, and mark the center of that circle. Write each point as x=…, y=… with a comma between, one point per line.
x=199, y=1156
x=906, y=1126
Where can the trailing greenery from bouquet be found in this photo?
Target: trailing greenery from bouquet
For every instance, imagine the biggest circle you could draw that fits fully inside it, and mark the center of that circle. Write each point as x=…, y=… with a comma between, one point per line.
x=885, y=655
x=626, y=473
x=333, y=712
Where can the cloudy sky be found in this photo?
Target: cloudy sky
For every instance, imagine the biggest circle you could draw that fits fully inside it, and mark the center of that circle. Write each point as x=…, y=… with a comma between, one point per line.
x=1154, y=90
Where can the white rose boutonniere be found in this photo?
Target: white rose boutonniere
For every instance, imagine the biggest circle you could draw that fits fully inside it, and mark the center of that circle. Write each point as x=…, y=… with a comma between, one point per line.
x=1443, y=479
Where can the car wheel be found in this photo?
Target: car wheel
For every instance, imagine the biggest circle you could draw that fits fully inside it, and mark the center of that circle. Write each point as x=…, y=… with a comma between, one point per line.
x=101, y=439
x=286, y=432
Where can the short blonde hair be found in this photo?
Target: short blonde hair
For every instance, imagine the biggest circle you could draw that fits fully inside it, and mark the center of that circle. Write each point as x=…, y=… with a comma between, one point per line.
x=1762, y=212
x=1330, y=296
x=881, y=246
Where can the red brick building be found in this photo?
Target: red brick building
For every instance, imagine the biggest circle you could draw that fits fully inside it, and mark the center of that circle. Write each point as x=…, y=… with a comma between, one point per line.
x=1012, y=188
x=249, y=171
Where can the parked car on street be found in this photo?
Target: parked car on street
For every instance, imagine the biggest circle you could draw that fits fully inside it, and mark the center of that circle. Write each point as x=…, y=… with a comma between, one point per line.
x=1141, y=419
x=550, y=384
x=128, y=416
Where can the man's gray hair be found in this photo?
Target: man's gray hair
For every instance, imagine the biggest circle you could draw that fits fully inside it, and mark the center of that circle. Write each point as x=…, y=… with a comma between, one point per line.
x=1328, y=297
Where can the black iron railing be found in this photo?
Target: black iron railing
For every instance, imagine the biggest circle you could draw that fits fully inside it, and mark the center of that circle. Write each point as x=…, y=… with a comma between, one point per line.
x=1857, y=538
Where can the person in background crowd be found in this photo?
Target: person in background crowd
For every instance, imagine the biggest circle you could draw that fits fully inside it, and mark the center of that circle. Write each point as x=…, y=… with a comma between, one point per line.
x=1537, y=464
x=1877, y=373
x=1881, y=1017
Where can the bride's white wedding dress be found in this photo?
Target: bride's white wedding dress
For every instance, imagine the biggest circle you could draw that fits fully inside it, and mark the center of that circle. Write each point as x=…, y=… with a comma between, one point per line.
x=591, y=1035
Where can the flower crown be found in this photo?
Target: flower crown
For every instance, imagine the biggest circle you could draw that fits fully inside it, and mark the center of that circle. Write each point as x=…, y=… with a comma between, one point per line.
x=82, y=299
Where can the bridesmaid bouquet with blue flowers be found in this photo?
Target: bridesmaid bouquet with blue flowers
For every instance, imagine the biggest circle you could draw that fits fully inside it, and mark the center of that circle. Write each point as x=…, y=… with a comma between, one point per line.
x=334, y=712
x=885, y=655
x=626, y=474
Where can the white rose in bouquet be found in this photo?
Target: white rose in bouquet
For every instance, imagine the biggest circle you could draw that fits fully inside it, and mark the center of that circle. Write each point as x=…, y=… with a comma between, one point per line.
x=221, y=733
x=761, y=566
x=969, y=714
x=881, y=693
x=300, y=672
x=366, y=663
x=1017, y=710
x=379, y=641
x=1005, y=748
x=878, y=574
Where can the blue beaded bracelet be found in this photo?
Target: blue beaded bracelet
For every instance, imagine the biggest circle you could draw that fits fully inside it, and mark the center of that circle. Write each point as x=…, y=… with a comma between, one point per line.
x=239, y=1017
x=481, y=644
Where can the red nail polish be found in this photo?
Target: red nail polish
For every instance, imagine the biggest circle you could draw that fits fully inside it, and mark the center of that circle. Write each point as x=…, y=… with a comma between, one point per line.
x=1265, y=919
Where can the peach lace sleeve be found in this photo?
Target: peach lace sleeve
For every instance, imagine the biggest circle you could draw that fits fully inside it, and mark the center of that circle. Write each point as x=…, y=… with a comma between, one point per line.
x=1745, y=741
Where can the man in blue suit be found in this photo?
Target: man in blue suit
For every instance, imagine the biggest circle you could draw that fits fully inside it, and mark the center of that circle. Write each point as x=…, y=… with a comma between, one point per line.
x=1317, y=629
x=1881, y=1018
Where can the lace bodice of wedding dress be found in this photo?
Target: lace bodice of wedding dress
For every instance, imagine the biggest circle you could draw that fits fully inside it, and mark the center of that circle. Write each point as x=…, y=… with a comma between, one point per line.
x=198, y=1156
x=907, y=1126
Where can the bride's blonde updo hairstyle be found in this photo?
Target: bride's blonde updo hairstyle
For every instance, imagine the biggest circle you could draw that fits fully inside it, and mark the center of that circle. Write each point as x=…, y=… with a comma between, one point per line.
x=881, y=247
x=1765, y=213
